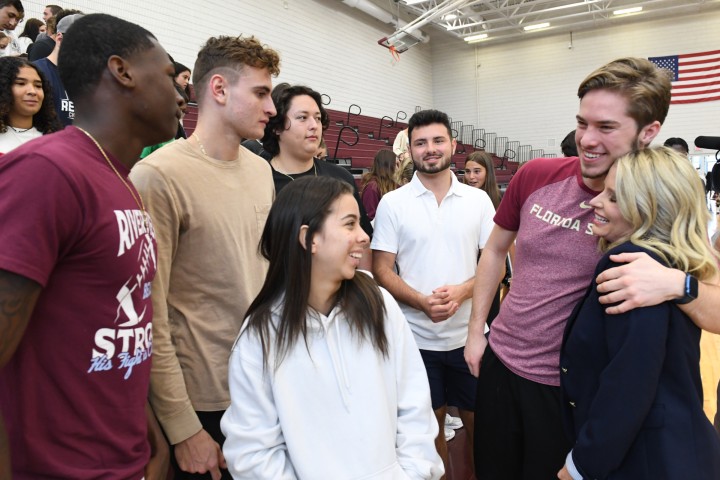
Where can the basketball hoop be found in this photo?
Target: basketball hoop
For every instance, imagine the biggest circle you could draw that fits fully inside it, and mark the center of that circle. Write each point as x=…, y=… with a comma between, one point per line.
x=383, y=42
x=398, y=43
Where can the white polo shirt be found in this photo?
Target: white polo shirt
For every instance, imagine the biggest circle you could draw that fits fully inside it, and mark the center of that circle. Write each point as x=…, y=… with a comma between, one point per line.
x=435, y=245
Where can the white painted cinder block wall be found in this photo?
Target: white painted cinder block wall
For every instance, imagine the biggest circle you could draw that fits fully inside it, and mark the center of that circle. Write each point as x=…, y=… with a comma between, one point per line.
x=527, y=91
x=323, y=43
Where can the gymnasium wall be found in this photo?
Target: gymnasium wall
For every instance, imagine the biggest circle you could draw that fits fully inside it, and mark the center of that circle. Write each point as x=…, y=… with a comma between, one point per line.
x=323, y=43
x=527, y=91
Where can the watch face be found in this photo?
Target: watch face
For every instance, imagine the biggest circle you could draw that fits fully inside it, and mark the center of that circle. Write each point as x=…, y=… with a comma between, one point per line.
x=691, y=287
x=691, y=290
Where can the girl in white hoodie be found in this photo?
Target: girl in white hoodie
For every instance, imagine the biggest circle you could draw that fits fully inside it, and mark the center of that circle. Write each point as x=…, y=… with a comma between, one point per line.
x=326, y=381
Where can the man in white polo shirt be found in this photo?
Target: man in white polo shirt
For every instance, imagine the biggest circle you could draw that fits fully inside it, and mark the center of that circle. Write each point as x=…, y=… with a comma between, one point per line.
x=433, y=229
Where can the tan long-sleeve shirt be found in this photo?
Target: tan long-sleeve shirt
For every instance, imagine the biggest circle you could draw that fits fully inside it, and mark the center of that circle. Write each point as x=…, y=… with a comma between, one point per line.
x=208, y=217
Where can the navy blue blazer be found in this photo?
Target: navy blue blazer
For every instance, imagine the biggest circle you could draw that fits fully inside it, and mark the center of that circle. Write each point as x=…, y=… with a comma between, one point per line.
x=632, y=394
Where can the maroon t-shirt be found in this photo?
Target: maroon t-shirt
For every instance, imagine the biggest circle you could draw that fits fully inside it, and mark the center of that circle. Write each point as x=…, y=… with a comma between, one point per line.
x=555, y=256
x=73, y=394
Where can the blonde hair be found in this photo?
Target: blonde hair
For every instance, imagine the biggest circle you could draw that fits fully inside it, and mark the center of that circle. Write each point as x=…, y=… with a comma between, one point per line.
x=404, y=172
x=661, y=195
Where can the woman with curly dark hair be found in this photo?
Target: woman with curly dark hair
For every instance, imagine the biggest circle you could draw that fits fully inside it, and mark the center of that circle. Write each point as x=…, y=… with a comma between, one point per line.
x=26, y=106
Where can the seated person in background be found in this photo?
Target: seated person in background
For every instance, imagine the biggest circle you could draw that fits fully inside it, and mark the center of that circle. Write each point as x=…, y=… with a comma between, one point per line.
x=378, y=181
x=292, y=138
x=632, y=395
x=26, y=106
x=323, y=349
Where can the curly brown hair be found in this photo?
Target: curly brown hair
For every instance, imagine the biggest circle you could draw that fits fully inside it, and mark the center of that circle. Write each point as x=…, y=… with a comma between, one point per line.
x=232, y=53
x=282, y=96
x=45, y=120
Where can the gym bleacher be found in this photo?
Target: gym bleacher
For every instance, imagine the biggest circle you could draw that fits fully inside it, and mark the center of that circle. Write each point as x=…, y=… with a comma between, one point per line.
x=353, y=139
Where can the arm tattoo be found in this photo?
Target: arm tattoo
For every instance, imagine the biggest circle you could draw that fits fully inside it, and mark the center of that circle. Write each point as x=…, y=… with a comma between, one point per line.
x=17, y=300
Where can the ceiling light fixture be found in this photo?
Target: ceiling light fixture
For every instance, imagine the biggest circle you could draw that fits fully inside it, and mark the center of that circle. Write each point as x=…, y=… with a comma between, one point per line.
x=413, y=2
x=626, y=11
x=476, y=38
x=537, y=26
x=450, y=16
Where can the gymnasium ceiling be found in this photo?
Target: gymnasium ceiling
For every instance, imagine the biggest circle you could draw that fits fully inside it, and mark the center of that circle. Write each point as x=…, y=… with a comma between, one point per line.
x=507, y=20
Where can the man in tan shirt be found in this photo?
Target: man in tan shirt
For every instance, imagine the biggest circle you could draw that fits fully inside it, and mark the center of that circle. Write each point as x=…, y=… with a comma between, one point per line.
x=209, y=199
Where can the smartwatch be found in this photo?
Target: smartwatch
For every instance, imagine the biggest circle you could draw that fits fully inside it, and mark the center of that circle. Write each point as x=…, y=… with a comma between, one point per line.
x=691, y=290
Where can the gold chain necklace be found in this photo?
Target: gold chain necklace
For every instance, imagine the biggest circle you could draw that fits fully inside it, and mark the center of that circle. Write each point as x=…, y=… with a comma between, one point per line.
x=293, y=178
x=202, y=149
x=138, y=199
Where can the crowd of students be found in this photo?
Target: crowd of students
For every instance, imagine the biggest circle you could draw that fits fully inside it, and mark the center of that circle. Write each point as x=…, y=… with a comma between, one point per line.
x=226, y=315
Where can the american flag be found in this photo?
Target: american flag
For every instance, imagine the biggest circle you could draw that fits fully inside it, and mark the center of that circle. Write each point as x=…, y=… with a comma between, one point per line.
x=695, y=76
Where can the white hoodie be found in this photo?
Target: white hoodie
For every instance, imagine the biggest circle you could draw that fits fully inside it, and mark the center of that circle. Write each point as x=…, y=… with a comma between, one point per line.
x=342, y=412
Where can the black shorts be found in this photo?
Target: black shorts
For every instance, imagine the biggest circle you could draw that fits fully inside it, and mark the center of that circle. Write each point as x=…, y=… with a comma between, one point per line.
x=519, y=432
x=451, y=382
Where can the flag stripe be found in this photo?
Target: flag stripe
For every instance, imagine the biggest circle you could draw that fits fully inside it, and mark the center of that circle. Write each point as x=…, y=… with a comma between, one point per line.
x=696, y=85
x=699, y=54
x=688, y=78
x=685, y=94
x=699, y=62
x=704, y=69
x=698, y=100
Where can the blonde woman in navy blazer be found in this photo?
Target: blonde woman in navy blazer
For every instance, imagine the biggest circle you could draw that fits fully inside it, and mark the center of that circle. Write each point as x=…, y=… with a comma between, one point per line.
x=631, y=382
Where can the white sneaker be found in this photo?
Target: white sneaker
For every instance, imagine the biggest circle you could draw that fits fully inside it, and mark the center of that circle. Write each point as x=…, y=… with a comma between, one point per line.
x=452, y=422
x=449, y=434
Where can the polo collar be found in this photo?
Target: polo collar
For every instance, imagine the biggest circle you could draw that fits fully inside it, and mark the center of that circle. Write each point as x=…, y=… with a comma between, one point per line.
x=418, y=188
